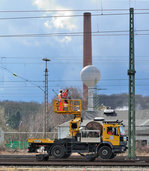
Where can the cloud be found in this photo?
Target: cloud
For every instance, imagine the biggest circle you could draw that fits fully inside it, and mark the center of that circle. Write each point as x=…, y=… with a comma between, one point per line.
x=48, y=24
x=45, y=4
x=66, y=39
x=56, y=22
x=63, y=22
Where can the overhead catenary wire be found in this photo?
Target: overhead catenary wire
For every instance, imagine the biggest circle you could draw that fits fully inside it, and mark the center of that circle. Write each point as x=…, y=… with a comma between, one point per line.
x=66, y=61
x=69, y=10
x=67, y=16
x=54, y=16
x=49, y=35
x=70, y=57
x=62, y=10
x=94, y=33
x=60, y=80
x=26, y=80
x=105, y=85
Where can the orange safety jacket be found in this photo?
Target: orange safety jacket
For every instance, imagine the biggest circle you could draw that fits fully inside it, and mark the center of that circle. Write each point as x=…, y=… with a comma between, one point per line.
x=61, y=103
x=65, y=94
x=60, y=96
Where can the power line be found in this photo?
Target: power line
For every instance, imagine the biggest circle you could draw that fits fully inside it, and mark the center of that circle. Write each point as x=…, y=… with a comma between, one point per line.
x=81, y=33
x=105, y=85
x=74, y=61
x=60, y=10
x=71, y=57
x=108, y=79
x=67, y=16
x=54, y=16
x=49, y=35
x=94, y=33
x=67, y=10
x=26, y=80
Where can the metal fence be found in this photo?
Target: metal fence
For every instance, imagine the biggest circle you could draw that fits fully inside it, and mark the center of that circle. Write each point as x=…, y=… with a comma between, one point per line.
x=19, y=140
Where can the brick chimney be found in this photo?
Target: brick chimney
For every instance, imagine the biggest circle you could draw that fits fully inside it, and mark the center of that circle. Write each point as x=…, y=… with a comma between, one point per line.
x=87, y=51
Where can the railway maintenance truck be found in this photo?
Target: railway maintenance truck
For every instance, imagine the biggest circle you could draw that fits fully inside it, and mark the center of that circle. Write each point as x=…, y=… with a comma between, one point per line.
x=98, y=138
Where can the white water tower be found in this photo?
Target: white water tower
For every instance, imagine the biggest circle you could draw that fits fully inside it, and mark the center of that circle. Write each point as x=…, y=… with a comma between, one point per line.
x=90, y=75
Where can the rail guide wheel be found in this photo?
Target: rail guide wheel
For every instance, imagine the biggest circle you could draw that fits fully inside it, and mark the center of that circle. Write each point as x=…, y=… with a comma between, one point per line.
x=42, y=157
x=90, y=157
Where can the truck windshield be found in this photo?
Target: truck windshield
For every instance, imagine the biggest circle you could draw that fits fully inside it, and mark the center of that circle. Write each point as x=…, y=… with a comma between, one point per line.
x=122, y=130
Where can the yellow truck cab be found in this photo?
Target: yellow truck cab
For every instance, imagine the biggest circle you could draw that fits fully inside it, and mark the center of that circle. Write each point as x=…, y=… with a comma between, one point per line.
x=114, y=135
x=98, y=138
x=113, y=132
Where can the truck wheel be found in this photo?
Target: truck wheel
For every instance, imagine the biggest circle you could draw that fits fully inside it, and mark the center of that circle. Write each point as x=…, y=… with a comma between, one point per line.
x=46, y=158
x=66, y=156
x=105, y=152
x=113, y=156
x=90, y=157
x=40, y=157
x=58, y=152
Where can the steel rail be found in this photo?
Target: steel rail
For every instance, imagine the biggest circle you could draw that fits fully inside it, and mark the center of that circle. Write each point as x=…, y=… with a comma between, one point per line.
x=20, y=160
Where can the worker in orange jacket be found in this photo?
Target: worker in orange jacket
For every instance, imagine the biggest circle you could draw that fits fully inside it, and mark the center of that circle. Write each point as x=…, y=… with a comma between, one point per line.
x=65, y=94
x=61, y=103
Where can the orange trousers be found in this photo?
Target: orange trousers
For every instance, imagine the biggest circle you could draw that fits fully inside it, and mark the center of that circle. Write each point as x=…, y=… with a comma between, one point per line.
x=61, y=106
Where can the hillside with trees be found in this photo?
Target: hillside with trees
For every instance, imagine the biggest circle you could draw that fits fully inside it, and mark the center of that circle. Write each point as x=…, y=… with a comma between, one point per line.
x=121, y=100
x=28, y=116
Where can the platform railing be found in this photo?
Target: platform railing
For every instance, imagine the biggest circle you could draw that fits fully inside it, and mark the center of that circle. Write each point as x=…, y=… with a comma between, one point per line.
x=67, y=106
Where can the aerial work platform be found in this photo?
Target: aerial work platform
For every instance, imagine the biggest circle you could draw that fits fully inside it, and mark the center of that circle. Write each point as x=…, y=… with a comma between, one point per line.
x=67, y=106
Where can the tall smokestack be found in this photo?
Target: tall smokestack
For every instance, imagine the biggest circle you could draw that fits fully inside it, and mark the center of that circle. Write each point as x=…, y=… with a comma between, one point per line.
x=87, y=51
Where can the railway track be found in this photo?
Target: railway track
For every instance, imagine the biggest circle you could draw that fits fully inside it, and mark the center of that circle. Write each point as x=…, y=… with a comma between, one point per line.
x=25, y=160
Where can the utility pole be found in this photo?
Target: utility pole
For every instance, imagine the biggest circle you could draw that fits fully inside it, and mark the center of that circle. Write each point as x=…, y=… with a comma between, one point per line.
x=131, y=100
x=46, y=104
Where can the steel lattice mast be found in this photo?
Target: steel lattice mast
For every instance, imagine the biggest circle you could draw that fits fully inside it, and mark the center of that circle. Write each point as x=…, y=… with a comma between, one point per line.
x=46, y=105
x=131, y=100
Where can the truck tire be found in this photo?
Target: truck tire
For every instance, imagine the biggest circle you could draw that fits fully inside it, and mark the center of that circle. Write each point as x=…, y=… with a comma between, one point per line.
x=113, y=156
x=58, y=151
x=42, y=157
x=46, y=158
x=105, y=152
x=66, y=156
x=90, y=157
